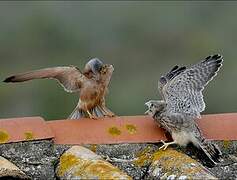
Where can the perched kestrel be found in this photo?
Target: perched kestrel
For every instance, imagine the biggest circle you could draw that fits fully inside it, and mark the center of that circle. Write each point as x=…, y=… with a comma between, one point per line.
x=91, y=84
x=181, y=90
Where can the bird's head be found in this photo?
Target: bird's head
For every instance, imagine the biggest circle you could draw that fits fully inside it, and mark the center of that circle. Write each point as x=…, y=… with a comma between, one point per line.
x=154, y=107
x=96, y=69
x=93, y=66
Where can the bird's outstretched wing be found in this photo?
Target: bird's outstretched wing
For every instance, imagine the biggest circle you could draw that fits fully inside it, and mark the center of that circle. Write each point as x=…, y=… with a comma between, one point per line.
x=183, y=91
x=69, y=77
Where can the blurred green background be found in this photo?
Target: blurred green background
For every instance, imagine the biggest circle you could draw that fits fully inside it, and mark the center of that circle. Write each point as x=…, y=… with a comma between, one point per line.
x=141, y=39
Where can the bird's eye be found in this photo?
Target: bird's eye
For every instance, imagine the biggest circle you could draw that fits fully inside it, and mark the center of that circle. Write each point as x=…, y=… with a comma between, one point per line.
x=103, y=70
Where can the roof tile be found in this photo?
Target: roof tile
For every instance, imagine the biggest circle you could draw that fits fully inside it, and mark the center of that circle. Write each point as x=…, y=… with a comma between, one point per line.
x=135, y=129
x=127, y=129
x=23, y=129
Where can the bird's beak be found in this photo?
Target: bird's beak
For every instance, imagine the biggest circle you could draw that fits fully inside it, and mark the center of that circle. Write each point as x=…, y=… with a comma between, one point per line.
x=110, y=66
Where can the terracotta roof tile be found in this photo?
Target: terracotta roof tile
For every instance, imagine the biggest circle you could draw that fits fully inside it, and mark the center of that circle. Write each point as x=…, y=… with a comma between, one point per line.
x=132, y=129
x=22, y=129
x=135, y=129
x=127, y=129
x=219, y=126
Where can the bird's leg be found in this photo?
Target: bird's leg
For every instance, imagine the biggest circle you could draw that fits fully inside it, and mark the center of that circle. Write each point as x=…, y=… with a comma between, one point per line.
x=90, y=115
x=165, y=145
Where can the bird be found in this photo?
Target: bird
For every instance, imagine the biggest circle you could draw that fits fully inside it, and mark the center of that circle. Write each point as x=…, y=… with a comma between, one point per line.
x=182, y=102
x=91, y=84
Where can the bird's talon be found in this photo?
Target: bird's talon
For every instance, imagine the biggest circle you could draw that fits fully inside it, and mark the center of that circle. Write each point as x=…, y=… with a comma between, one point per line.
x=91, y=116
x=165, y=145
x=110, y=115
x=162, y=141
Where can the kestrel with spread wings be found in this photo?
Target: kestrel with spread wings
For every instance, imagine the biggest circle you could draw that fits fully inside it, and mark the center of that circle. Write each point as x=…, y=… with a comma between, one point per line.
x=181, y=89
x=91, y=84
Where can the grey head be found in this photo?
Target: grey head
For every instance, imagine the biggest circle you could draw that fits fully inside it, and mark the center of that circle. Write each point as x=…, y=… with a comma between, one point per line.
x=95, y=65
x=154, y=107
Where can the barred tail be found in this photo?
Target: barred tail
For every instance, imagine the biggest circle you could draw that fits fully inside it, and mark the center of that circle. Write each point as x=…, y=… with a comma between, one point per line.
x=209, y=153
x=79, y=113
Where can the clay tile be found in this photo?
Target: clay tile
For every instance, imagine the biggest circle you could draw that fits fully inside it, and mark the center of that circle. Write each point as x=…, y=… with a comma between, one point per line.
x=23, y=129
x=219, y=126
x=133, y=129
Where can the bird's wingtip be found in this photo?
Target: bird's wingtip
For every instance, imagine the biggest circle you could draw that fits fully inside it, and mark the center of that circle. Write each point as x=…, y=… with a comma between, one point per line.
x=9, y=79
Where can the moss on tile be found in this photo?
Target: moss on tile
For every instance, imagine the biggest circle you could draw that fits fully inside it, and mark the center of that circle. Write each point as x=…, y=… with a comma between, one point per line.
x=132, y=129
x=93, y=147
x=67, y=161
x=171, y=159
x=29, y=135
x=226, y=144
x=4, y=136
x=144, y=157
x=76, y=164
x=114, y=131
x=98, y=169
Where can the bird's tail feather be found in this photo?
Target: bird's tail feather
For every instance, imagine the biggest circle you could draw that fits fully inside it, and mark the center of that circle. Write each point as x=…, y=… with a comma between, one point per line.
x=79, y=113
x=97, y=111
x=209, y=153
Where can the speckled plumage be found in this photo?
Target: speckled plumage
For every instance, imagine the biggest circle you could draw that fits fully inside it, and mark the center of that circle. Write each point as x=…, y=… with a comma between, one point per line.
x=181, y=89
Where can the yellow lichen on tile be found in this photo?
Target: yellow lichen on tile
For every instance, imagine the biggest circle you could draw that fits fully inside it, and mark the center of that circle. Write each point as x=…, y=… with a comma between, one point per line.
x=171, y=158
x=104, y=170
x=79, y=168
x=143, y=157
x=114, y=131
x=4, y=136
x=29, y=135
x=93, y=147
x=226, y=144
x=132, y=129
x=80, y=163
x=98, y=169
x=67, y=161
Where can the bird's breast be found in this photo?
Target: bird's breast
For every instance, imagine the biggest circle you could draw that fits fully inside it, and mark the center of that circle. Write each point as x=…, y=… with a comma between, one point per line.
x=91, y=96
x=182, y=137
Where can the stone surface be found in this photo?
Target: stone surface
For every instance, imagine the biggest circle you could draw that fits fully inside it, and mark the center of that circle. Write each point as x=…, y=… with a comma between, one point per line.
x=171, y=164
x=227, y=168
x=134, y=159
x=36, y=158
x=9, y=170
x=81, y=163
x=227, y=146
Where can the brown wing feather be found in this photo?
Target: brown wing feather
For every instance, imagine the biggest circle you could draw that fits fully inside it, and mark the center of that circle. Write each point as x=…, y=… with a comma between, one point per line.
x=69, y=77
